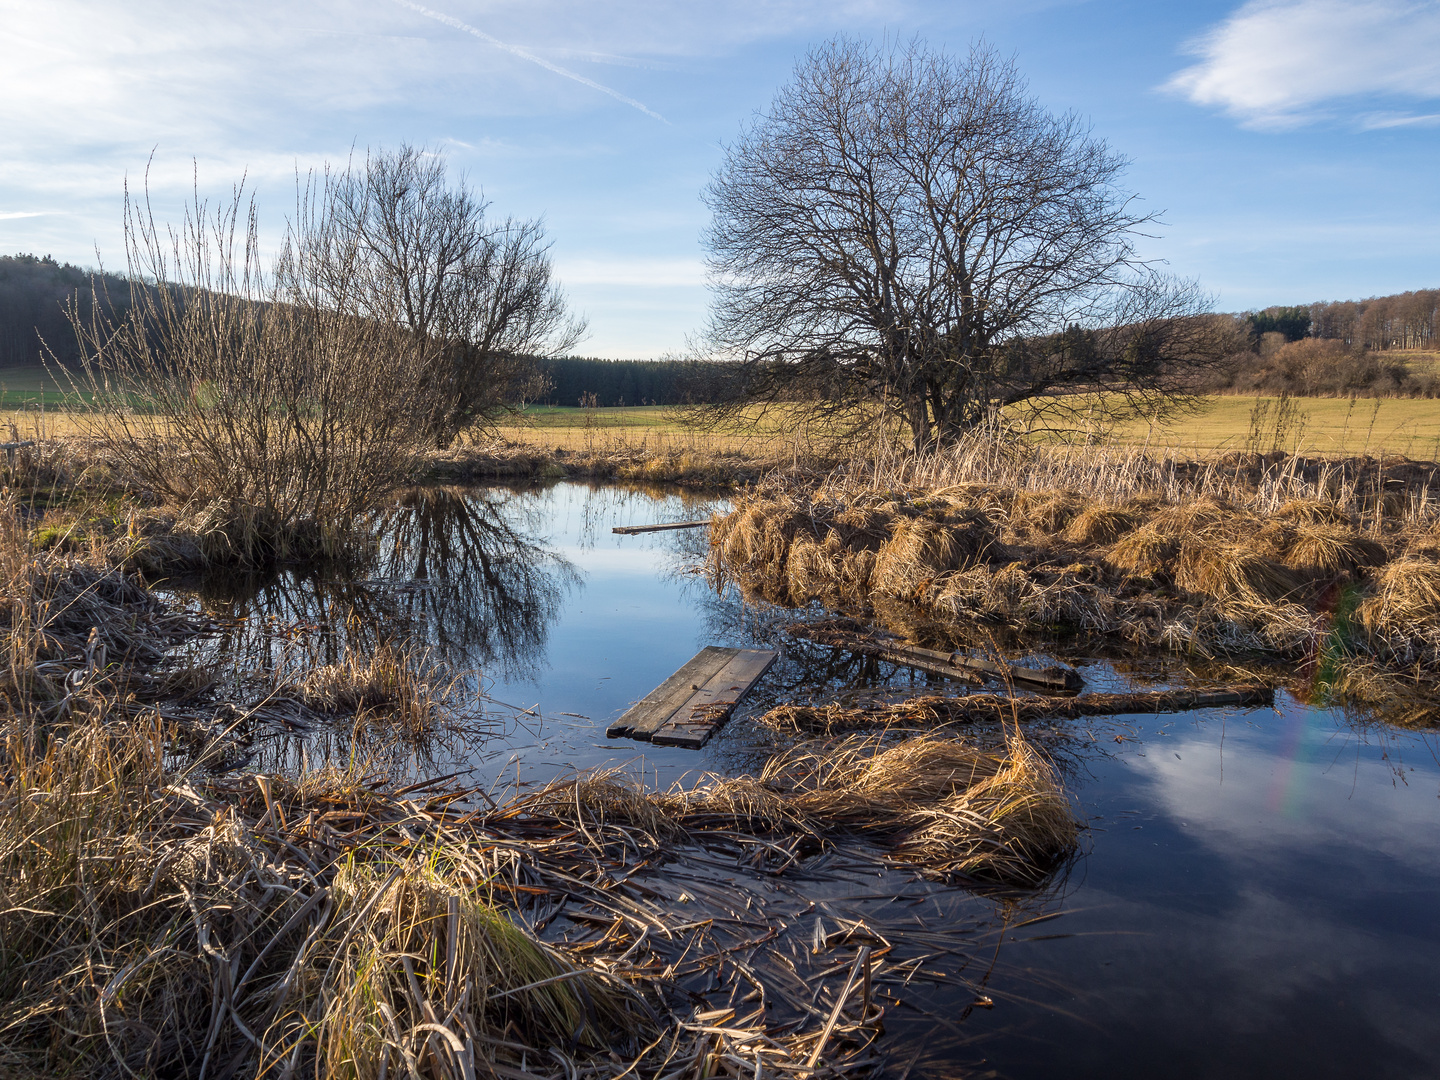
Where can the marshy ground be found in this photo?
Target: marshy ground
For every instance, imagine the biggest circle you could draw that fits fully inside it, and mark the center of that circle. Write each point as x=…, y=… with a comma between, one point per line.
x=361, y=818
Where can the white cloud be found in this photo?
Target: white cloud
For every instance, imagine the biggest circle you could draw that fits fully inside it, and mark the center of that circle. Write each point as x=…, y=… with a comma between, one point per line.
x=1280, y=63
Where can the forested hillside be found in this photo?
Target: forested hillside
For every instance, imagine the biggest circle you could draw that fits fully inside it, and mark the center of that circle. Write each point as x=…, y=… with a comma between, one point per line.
x=1327, y=348
x=33, y=294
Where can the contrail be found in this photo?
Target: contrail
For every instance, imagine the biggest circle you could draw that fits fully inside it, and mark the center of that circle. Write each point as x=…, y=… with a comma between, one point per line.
x=525, y=54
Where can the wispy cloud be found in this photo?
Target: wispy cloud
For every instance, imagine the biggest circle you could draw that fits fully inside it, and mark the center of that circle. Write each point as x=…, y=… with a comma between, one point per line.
x=1281, y=63
x=526, y=54
x=12, y=215
x=1380, y=121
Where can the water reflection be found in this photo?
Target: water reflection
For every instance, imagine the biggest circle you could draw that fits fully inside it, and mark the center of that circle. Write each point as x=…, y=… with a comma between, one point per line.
x=460, y=572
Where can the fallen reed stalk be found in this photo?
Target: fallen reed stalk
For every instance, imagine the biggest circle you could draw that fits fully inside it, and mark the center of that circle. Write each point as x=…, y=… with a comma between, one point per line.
x=1018, y=825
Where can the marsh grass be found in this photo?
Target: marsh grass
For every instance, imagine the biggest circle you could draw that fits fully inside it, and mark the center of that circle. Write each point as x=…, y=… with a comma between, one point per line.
x=163, y=914
x=1211, y=559
x=951, y=808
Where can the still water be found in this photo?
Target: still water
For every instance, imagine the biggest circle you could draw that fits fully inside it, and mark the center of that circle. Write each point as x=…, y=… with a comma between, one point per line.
x=1258, y=893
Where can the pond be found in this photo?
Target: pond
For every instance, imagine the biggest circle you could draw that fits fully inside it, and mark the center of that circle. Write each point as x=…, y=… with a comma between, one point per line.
x=1256, y=893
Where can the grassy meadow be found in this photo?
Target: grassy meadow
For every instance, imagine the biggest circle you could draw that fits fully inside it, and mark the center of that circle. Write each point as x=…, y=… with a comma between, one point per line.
x=1224, y=424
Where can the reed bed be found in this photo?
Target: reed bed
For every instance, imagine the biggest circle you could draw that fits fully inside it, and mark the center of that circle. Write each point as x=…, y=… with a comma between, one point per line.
x=1145, y=561
x=160, y=923
x=163, y=913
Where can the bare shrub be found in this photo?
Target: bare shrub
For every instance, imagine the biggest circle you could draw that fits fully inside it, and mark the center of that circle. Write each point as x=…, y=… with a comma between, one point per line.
x=238, y=393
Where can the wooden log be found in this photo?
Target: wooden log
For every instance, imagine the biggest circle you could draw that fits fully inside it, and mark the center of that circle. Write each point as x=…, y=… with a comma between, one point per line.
x=968, y=708
x=631, y=530
x=706, y=711
x=956, y=665
x=642, y=719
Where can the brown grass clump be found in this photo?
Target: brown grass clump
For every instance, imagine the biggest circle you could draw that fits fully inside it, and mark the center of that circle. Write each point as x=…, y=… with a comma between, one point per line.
x=1312, y=511
x=1143, y=553
x=398, y=684
x=1327, y=550
x=1231, y=572
x=755, y=541
x=921, y=549
x=952, y=809
x=425, y=944
x=1100, y=525
x=1046, y=512
x=1196, y=516
x=1404, y=600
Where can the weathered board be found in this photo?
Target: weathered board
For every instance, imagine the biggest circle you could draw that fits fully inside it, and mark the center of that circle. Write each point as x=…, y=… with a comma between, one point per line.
x=955, y=665
x=643, y=718
x=631, y=530
x=691, y=705
x=706, y=711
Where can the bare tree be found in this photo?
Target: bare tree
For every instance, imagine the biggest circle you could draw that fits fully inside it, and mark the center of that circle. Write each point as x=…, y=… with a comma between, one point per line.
x=395, y=242
x=906, y=228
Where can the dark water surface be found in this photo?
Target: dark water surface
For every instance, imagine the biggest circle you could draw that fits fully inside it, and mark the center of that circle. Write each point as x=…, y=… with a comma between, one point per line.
x=1258, y=893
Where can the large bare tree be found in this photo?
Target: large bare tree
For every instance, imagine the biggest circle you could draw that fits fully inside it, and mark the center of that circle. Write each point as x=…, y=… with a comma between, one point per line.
x=393, y=240
x=909, y=228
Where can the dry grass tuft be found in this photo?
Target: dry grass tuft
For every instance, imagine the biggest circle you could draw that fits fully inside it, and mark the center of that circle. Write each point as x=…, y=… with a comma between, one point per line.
x=1143, y=553
x=1045, y=512
x=1405, y=599
x=1097, y=525
x=401, y=686
x=1190, y=518
x=950, y=808
x=1328, y=550
x=1232, y=572
x=921, y=549
x=1313, y=511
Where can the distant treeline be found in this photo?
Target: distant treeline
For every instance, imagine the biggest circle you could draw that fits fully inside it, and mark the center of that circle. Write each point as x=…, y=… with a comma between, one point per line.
x=1406, y=320
x=1341, y=348
x=576, y=380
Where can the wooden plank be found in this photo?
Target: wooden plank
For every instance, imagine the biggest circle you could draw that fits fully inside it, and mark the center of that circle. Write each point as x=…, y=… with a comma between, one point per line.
x=706, y=711
x=631, y=530
x=975, y=708
x=955, y=665
x=647, y=714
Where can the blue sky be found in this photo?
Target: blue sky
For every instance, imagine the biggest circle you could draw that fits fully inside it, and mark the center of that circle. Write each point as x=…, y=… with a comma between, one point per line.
x=1294, y=145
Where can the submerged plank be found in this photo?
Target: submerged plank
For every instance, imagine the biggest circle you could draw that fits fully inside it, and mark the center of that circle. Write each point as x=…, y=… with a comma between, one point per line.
x=971, y=708
x=707, y=709
x=631, y=530
x=955, y=665
x=646, y=715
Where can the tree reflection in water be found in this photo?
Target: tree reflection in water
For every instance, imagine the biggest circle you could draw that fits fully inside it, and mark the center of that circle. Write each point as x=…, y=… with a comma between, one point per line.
x=454, y=577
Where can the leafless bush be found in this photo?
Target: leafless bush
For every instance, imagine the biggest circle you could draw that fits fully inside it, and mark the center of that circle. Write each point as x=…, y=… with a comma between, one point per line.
x=272, y=415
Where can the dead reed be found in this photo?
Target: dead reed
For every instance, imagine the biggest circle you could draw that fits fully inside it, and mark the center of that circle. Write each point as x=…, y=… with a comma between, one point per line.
x=1199, y=567
x=949, y=807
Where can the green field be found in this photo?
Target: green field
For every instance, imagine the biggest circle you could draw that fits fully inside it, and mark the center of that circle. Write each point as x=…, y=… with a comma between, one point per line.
x=32, y=388
x=1327, y=426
